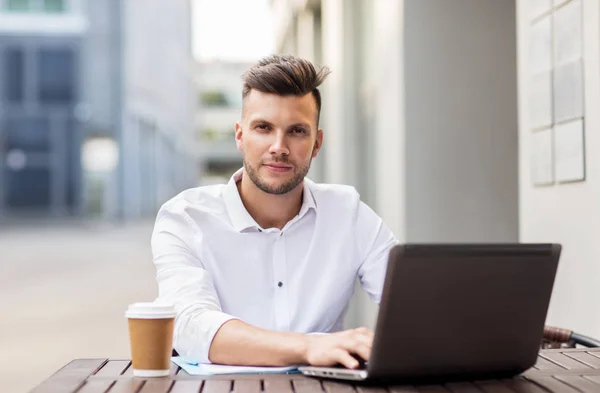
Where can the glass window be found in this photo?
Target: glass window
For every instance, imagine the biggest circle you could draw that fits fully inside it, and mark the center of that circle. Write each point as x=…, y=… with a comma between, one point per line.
x=54, y=5
x=14, y=65
x=56, y=76
x=19, y=5
x=35, y=5
x=29, y=187
x=29, y=134
x=213, y=98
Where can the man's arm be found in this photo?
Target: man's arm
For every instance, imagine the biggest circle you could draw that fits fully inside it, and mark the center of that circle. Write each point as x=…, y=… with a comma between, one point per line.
x=204, y=333
x=243, y=344
x=375, y=241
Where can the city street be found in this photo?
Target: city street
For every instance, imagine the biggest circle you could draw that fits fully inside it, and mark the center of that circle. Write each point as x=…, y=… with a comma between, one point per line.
x=64, y=288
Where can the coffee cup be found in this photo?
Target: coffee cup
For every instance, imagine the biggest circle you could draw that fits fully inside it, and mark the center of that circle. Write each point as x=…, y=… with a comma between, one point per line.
x=150, y=338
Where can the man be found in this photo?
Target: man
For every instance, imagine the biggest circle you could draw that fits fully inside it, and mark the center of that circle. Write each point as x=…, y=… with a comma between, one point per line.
x=253, y=267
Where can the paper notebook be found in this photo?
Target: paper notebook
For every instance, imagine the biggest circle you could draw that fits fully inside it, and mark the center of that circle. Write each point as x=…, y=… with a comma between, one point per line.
x=219, y=369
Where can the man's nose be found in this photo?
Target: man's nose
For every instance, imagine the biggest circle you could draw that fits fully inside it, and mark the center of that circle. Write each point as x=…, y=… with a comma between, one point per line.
x=279, y=145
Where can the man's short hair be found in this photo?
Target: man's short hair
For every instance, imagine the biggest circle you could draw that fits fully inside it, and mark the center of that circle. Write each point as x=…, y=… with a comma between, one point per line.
x=285, y=75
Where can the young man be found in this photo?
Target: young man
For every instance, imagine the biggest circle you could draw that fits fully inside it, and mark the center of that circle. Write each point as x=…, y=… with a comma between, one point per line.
x=253, y=267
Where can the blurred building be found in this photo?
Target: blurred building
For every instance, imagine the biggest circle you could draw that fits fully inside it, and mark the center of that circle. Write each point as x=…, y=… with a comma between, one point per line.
x=96, y=106
x=432, y=113
x=219, y=107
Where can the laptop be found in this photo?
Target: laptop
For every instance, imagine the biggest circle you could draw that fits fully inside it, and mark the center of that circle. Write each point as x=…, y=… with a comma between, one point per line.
x=458, y=312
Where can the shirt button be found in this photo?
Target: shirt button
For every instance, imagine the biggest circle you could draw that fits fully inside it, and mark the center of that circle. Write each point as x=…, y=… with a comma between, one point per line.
x=279, y=284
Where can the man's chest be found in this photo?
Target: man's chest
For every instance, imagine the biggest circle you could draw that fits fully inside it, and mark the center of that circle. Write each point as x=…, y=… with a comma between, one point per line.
x=282, y=280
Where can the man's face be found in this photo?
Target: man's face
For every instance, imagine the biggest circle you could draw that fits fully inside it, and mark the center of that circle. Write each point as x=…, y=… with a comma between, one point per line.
x=278, y=137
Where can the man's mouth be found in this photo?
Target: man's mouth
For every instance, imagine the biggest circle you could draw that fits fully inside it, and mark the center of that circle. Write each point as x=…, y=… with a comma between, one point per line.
x=275, y=167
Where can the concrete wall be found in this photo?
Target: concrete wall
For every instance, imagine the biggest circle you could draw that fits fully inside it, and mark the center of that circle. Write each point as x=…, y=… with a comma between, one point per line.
x=100, y=58
x=567, y=213
x=435, y=93
x=461, y=121
x=158, y=105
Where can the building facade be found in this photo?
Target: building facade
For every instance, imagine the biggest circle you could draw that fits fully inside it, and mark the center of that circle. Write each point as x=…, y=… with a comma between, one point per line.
x=96, y=117
x=428, y=113
x=219, y=107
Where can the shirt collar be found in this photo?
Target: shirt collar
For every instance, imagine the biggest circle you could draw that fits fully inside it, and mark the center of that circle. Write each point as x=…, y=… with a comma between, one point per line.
x=241, y=219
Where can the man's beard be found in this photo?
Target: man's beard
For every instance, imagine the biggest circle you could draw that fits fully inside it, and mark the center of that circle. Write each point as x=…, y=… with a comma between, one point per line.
x=282, y=188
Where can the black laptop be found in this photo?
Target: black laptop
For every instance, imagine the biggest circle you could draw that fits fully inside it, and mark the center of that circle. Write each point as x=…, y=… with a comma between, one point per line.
x=458, y=312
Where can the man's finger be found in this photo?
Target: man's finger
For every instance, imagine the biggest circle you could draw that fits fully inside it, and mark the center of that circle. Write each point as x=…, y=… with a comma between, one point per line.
x=361, y=350
x=345, y=359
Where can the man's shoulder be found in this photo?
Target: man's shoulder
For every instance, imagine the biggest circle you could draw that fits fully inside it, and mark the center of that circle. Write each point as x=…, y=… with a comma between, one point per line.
x=201, y=197
x=334, y=194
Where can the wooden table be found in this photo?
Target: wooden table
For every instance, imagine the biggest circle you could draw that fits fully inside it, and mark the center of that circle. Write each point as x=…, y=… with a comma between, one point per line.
x=557, y=370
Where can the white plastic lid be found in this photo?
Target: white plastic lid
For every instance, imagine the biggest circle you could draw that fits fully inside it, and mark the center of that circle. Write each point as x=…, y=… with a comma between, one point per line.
x=149, y=310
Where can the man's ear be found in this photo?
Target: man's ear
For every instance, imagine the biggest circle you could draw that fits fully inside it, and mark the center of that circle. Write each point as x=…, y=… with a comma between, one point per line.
x=318, y=143
x=239, y=136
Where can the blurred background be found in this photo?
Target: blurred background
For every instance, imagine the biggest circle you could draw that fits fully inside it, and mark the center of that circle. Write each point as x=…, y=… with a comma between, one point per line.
x=457, y=121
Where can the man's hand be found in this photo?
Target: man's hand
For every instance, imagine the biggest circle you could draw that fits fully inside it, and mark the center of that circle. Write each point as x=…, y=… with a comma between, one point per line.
x=338, y=348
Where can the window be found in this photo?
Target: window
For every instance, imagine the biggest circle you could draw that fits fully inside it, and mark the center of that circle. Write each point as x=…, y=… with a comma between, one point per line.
x=19, y=5
x=56, y=76
x=209, y=134
x=51, y=6
x=29, y=187
x=54, y=5
x=14, y=65
x=213, y=98
x=29, y=134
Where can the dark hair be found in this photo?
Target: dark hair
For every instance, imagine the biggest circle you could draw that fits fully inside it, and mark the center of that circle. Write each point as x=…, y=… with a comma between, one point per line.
x=285, y=75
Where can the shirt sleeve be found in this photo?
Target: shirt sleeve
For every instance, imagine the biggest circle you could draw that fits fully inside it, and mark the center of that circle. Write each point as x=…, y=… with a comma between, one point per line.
x=374, y=240
x=184, y=282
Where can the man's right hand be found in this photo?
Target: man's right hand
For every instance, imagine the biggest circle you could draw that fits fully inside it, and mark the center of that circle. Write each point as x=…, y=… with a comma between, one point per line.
x=338, y=348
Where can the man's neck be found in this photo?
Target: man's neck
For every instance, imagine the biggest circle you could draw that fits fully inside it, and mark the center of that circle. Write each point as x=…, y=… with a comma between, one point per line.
x=269, y=210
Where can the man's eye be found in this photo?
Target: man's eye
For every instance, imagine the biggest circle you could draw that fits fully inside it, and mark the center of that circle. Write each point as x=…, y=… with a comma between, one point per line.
x=262, y=127
x=299, y=130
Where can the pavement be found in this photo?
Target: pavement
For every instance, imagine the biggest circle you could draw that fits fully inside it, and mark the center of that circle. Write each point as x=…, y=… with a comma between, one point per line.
x=64, y=288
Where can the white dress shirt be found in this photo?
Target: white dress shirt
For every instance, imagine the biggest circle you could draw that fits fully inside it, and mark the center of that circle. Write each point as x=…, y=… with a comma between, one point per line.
x=215, y=263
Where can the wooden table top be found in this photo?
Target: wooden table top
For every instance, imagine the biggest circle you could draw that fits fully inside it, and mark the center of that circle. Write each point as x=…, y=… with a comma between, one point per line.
x=557, y=370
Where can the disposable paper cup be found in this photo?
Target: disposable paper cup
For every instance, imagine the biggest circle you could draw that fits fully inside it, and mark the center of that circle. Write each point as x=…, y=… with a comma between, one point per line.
x=151, y=338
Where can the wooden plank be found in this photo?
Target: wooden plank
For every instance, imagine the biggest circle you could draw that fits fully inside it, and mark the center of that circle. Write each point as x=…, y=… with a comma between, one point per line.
x=579, y=383
x=337, y=387
x=585, y=358
x=70, y=377
x=217, y=386
x=595, y=352
x=552, y=384
x=96, y=386
x=174, y=369
x=80, y=368
x=186, y=387
x=132, y=385
x=462, y=387
x=113, y=368
x=493, y=386
x=278, y=386
x=129, y=370
x=59, y=385
x=521, y=385
x=402, y=389
x=247, y=386
x=593, y=378
x=370, y=389
x=544, y=364
x=565, y=361
x=431, y=389
x=156, y=385
x=307, y=385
